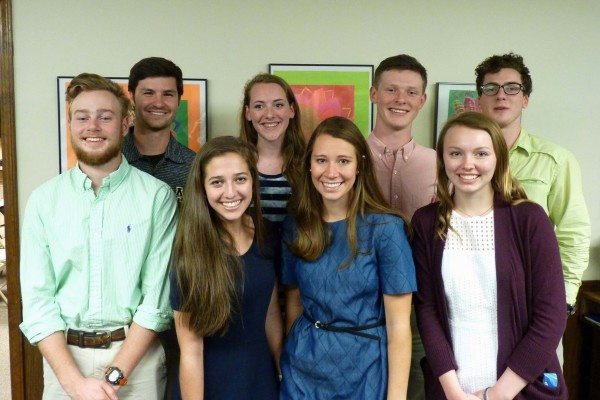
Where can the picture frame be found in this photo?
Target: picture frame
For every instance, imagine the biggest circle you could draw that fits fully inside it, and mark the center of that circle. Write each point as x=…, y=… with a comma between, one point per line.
x=453, y=99
x=326, y=90
x=190, y=125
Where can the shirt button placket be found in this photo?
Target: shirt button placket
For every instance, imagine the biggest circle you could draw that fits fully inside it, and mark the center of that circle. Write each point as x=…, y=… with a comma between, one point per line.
x=96, y=257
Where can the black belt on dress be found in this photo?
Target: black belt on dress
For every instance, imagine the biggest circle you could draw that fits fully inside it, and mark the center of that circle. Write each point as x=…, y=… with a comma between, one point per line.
x=354, y=330
x=96, y=339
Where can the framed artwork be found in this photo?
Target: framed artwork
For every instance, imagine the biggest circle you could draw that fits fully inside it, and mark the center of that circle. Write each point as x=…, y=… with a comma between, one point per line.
x=327, y=90
x=453, y=99
x=190, y=125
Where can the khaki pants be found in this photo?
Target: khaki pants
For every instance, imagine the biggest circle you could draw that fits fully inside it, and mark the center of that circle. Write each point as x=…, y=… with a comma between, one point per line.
x=146, y=382
x=416, y=381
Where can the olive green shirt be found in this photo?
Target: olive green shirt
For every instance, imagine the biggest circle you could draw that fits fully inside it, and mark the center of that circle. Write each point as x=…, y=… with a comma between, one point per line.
x=551, y=177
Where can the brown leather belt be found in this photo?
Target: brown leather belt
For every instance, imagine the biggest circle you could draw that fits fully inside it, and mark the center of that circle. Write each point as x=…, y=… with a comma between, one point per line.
x=96, y=339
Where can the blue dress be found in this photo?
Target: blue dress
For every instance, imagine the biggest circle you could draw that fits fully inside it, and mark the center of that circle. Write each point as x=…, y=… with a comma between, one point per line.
x=239, y=365
x=318, y=364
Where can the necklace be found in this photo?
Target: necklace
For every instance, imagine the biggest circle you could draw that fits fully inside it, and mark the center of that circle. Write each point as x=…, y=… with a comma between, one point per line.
x=474, y=215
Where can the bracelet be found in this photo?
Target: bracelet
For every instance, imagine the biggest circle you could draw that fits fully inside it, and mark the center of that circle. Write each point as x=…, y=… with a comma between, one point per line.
x=485, y=393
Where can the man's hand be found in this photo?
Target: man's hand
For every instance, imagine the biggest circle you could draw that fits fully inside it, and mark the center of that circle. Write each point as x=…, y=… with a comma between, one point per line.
x=92, y=389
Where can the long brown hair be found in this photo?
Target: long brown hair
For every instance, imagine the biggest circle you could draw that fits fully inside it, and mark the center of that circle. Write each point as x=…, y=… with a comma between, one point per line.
x=207, y=266
x=503, y=183
x=314, y=235
x=293, y=141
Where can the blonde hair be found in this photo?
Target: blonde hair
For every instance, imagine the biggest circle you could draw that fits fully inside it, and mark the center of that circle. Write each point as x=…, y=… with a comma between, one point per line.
x=87, y=82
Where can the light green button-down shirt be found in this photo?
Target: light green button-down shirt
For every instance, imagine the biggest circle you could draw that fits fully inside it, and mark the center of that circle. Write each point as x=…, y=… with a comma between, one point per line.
x=551, y=177
x=97, y=261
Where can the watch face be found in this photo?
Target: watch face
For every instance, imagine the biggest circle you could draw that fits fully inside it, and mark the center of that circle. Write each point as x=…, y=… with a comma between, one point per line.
x=114, y=376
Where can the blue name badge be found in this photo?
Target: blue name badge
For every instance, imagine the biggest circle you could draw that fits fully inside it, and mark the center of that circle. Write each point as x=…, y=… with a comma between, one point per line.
x=550, y=380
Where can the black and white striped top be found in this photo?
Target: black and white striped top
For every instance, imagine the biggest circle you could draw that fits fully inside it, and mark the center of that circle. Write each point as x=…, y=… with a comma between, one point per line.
x=275, y=192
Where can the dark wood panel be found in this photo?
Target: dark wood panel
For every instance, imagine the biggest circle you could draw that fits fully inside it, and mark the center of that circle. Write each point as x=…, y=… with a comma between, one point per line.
x=577, y=344
x=25, y=361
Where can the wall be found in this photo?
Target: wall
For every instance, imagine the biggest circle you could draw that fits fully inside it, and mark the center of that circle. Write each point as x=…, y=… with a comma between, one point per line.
x=227, y=42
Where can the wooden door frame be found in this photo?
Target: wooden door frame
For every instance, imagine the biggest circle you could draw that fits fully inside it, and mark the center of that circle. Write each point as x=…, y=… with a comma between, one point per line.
x=25, y=360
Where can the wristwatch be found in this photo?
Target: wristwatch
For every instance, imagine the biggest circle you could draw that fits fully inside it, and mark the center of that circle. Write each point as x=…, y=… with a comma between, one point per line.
x=115, y=376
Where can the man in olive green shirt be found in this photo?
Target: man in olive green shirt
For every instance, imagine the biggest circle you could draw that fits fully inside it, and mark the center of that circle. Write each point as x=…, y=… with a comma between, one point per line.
x=549, y=173
x=95, y=247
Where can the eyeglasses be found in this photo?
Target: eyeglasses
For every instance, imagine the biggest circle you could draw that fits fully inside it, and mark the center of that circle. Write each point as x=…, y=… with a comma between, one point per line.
x=510, y=88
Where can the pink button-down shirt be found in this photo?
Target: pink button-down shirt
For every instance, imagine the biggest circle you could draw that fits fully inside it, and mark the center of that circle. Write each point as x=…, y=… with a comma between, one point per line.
x=406, y=175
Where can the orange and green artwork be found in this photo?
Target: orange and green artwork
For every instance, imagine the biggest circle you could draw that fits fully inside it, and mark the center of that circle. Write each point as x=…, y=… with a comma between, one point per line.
x=323, y=91
x=189, y=127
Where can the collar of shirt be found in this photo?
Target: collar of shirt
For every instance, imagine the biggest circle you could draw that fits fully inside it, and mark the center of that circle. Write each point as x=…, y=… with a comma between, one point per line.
x=81, y=182
x=381, y=149
x=523, y=142
x=173, y=151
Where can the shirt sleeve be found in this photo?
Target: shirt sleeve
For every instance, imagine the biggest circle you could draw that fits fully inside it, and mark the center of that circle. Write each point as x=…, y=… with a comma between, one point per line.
x=154, y=312
x=569, y=214
x=41, y=313
x=288, y=260
x=394, y=257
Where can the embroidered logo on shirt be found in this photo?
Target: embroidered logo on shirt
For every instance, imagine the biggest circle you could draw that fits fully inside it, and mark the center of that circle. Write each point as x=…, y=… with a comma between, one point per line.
x=179, y=193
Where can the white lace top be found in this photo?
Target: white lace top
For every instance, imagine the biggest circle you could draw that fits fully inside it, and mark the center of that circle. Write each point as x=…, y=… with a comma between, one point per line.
x=469, y=274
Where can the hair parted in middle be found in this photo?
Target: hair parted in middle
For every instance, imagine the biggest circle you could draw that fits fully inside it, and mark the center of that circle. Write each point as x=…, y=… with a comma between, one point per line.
x=293, y=142
x=207, y=266
x=314, y=235
x=503, y=183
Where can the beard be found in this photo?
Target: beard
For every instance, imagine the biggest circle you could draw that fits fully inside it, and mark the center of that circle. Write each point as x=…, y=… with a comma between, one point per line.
x=96, y=159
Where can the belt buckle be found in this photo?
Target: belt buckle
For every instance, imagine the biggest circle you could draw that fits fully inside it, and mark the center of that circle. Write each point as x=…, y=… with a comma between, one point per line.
x=104, y=335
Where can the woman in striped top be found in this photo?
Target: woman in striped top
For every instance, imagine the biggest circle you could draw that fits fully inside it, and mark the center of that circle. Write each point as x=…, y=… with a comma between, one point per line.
x=270, y=120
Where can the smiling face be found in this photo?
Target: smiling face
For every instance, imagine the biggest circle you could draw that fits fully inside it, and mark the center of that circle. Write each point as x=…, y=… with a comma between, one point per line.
x=228, y=186
x=97, y=128
x=399, y=97
x=469, y=160
x=504, y=109
x=333, y=169
x=269, y=111
x=156, y=101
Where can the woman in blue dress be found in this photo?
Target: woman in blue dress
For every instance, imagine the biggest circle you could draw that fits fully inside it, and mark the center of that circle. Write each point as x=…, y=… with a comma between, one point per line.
x=223, y=285
x=350, y=277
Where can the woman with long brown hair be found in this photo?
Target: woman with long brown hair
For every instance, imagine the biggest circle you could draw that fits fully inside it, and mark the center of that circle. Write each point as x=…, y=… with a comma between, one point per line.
x=490, y=306
x=350, y=277
x=270, y=120
x=223, y=286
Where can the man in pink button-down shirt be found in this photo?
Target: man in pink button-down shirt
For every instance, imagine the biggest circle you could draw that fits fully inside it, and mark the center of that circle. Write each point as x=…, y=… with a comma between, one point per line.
x=405, y=170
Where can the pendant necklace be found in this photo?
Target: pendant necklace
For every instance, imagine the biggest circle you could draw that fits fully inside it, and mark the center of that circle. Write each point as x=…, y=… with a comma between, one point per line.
x=474, y=215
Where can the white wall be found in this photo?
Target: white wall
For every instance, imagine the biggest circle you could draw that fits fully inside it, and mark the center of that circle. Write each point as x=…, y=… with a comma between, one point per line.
x=228, y=42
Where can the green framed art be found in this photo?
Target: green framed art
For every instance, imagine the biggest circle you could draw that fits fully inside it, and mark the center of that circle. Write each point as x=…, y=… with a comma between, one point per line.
x=326, y=90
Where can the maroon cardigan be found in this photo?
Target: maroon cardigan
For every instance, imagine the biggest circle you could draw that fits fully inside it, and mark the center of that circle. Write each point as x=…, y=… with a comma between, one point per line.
x=531, y=298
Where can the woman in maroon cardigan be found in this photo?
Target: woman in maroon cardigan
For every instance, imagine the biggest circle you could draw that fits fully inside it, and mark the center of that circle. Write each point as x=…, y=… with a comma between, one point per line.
x=490, y=305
